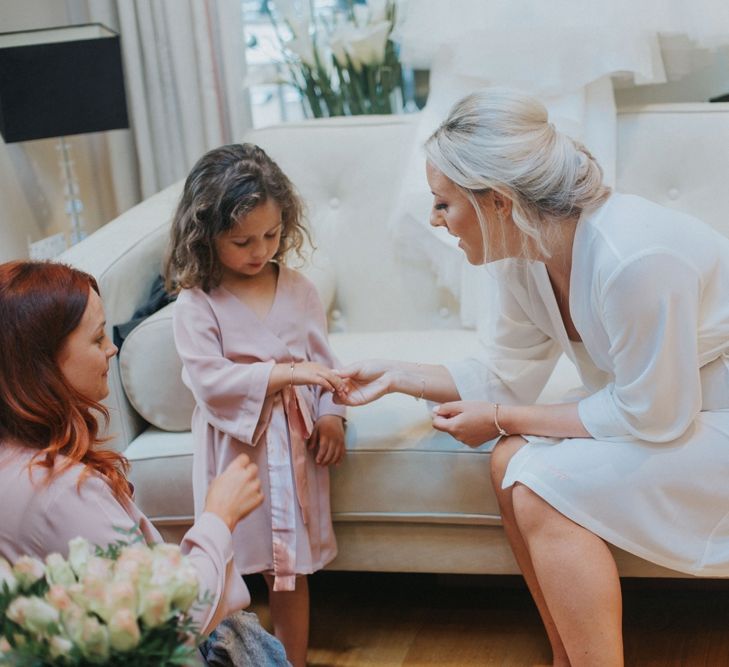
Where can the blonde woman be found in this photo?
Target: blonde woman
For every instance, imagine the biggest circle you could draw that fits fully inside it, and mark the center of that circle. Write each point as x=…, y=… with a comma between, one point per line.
x=637, y=296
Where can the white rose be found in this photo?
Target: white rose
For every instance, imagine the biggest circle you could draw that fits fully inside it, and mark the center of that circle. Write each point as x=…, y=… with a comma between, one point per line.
x=155, y=607
x=94, y=639
x=94, y=594
x=121, y=595
x=59, y=571
x=185, y=587
x=99, y=568
x=136, y=561
x=59, y=646
x=34, y=614
x=79, y=551
x=73, y=623
x=76, y=593
x=124, y=631
x=7, y=576
x=27, y=571
x=167, y=553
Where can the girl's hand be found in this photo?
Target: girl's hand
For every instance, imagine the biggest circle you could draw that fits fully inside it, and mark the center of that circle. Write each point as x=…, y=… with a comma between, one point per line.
x=328, y=440
x=236, y=492
x=365, y=381
x=470, y=422
x=311, y=372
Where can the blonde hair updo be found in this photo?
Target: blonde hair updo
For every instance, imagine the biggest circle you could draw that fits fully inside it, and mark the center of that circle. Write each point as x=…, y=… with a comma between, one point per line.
x=501, y=139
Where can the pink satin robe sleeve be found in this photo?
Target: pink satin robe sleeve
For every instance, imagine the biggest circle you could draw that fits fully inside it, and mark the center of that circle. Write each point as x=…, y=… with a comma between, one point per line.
x=39, y=518
x=231, y=395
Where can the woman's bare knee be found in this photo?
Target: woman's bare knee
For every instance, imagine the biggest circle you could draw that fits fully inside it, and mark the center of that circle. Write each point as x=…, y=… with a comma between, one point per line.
x=530, y=510
x=501, y=455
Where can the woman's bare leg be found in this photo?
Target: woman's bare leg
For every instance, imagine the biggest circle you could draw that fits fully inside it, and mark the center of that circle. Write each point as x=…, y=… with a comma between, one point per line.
x=500, y=457
x=290, y=618
x=578, y=578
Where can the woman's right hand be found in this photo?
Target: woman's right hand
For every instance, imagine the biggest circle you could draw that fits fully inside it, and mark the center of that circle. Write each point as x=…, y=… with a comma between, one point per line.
x=366, y=381
x=236, y=492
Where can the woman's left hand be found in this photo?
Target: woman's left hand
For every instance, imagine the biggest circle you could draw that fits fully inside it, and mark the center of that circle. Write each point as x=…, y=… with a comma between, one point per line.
x=470, y=422
x=328, y=440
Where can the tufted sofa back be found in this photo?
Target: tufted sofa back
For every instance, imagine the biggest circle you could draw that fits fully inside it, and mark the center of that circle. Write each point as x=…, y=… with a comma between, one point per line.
x=349, y=171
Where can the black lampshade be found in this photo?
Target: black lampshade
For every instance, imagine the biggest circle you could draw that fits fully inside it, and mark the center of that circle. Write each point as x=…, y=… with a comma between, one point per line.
x=61, y=81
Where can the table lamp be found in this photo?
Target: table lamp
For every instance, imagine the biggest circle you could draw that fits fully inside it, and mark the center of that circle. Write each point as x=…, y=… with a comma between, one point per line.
x=57, y=82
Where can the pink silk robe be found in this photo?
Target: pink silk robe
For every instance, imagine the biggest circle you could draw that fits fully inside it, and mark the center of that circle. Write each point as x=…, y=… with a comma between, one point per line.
x=38, y=518
x=228, y=353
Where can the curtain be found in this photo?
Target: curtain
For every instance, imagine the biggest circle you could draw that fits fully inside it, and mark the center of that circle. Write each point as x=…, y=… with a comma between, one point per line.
x=184, y=63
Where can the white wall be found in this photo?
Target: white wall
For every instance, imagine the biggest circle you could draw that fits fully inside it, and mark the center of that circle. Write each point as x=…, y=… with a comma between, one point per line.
x=31, y=196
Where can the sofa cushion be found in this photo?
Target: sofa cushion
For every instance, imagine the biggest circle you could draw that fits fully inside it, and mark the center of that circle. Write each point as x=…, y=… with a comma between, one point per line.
x=151, y=373
x=396, y=464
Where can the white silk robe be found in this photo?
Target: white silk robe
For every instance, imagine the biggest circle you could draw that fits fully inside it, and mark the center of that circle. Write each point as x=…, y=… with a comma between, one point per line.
x=228, y=353
x=649, y=296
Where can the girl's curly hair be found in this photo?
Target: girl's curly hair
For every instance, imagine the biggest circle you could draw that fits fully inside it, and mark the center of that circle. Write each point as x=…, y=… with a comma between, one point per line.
x=225, y=184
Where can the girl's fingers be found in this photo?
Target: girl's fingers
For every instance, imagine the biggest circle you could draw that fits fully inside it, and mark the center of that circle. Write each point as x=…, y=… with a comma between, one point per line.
x=324, y=382
x=347, y=371
x=448, y=409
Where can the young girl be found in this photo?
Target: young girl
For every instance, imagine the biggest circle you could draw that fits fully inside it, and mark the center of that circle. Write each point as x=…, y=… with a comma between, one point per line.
x=252, y=337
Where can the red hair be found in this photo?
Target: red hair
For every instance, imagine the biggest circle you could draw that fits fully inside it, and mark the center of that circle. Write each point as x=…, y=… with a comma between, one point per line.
x=41, y=303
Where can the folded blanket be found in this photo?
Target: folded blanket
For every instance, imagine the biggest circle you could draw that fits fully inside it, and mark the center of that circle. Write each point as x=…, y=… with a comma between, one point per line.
x=240, y=641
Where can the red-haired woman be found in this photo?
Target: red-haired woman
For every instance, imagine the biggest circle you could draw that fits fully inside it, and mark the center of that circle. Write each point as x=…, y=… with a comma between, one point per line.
x=55, y=481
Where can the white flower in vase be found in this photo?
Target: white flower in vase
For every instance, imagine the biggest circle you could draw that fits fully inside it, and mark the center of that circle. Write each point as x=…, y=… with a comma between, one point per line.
x=378, y=10
x=368, y=44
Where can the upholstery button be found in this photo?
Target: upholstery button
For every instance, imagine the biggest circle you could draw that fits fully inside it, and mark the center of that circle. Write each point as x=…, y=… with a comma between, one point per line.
x=334, y=203
x=673, y=193
x=444, y=313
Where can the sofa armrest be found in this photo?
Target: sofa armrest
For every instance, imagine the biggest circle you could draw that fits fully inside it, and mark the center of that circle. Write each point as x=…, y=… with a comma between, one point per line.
x=124, y=256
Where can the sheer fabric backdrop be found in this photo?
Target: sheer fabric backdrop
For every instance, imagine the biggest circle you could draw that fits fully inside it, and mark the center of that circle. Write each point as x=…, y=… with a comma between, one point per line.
x=566, y=53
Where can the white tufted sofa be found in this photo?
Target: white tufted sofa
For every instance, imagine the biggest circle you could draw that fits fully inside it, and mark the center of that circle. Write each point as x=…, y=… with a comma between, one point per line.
x=406, y=498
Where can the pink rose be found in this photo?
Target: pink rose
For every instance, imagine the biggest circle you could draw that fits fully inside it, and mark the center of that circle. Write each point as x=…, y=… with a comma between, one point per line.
x=124, y=631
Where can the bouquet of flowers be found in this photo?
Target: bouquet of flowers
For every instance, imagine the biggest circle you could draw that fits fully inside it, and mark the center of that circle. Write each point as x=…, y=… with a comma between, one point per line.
x=128, y=605
x=342, y=65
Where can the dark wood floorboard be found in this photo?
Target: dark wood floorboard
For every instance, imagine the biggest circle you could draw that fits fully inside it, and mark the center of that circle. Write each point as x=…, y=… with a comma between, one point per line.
x=409, y=620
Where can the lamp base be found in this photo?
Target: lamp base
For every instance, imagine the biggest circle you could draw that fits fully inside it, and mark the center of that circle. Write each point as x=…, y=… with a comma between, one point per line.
x=73, y=205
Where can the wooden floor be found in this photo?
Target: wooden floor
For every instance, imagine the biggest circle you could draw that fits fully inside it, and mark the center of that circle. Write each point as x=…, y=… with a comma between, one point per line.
x=389, y=620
